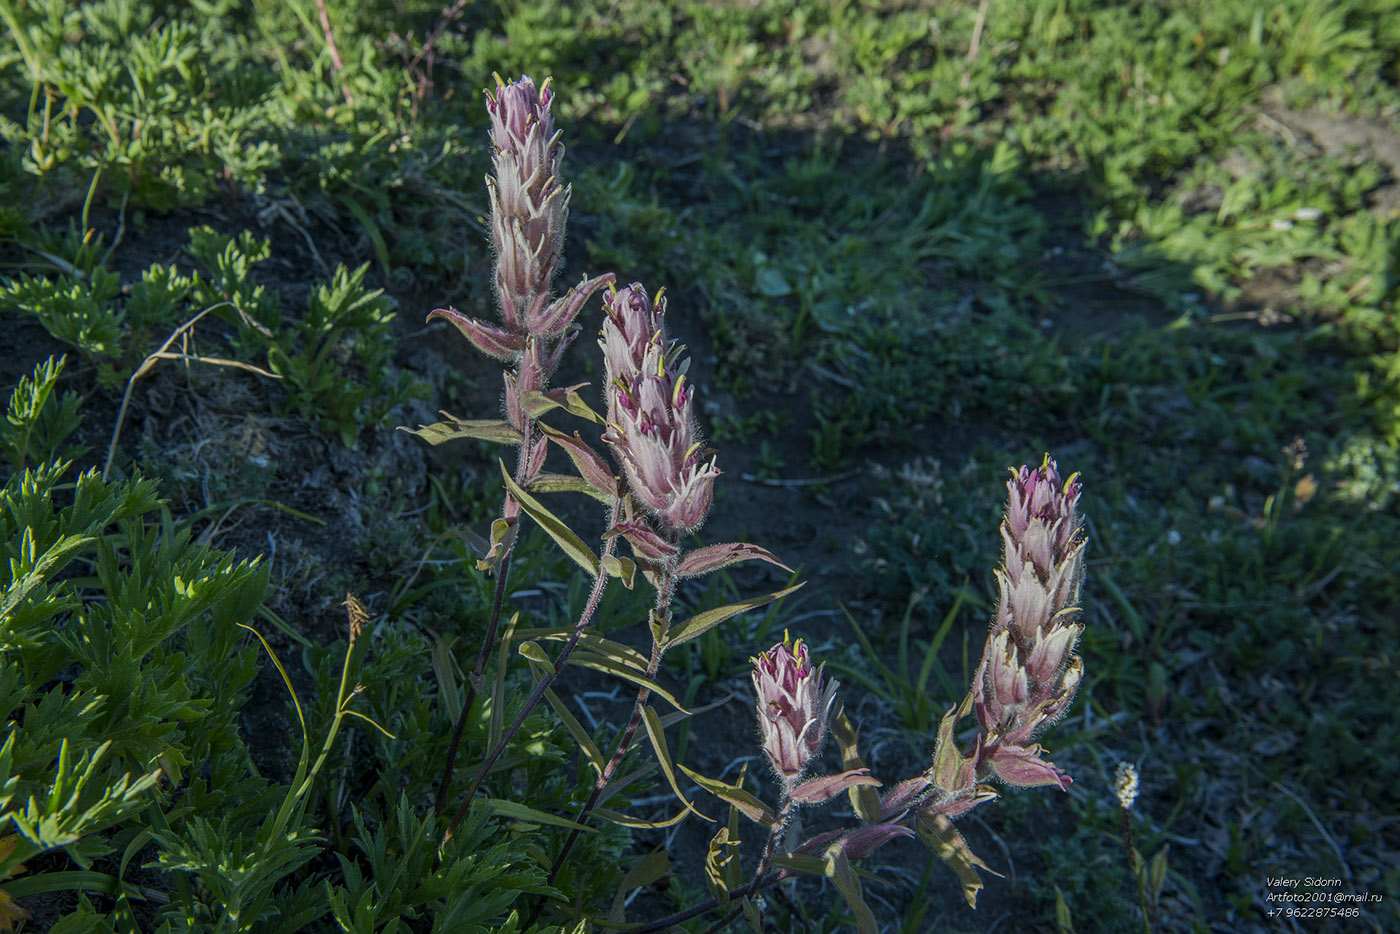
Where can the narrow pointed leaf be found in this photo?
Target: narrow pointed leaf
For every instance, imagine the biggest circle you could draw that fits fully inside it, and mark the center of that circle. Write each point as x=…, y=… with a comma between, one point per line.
x=673, y=718
x=657, y=735
x=749, y=806
x=810, y=865
x=713, y=557
x=443, y=670
x=644, y=872
x=753, y=914
x=838, y=870
x=700, y=623
x=495, y=430
x=564, y=536
x=940, y=834
x=1064, y=924
x=562, y=483
x=733, y=873
x=1157, y=873
x=826, y=787
x=538, y=403
x=576, y=730
x=516, y=811
x=590, y=466
x=609, y=666
x=592, y=642
x=864, y=800
x=627, y=820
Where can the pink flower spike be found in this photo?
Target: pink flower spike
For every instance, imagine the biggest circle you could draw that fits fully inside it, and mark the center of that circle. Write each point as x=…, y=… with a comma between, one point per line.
x=651, y=412
x=792, y=705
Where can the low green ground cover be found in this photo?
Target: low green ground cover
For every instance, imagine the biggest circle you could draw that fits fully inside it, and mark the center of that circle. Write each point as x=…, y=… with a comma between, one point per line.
x=909, y=245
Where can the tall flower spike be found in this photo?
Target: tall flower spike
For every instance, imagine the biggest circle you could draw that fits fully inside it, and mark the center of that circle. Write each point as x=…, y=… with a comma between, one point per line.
x=1029, y=673
x=529, y=206
x=651, y=412
x=792, y=707
x=529, y=210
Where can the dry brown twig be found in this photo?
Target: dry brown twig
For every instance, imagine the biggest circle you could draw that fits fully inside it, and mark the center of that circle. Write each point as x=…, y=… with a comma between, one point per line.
x=164, y=353
x=336, y=62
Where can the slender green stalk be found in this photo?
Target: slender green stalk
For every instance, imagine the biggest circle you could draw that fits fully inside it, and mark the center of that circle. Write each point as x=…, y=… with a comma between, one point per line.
x=585, y=618
x=663, y=610
x=489, y=644
x=785, y=813
x=502, y=572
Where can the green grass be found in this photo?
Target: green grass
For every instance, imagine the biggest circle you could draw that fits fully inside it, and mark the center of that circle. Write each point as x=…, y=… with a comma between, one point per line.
x=924, y=245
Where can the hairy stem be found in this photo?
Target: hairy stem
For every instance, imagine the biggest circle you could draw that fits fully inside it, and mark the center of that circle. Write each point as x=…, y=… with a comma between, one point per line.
x=784, y=816
x=586, y=617
x=489, y=644
x=502, y=573
x=663, y=609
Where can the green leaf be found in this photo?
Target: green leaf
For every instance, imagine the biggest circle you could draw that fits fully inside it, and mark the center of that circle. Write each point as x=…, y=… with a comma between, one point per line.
x=753, y=914
x=864, y=799
x=947, y=759
x=701, y=623
x=503, y=535
x=592, y=642
x=564, y=536
x=576, y=730
x=771, y=283
x=516, y=811
x=811, y=865
x=657, y=734
x=749, y=806
x=609, y=666
x=943, y=838
x=537, y=403
x=495, y=430
x=644, y=872
x=627, y=820
x=625, y=569
x=444, y=670
x=720, y=857
x=534, y=653
x=381, y=249
x=1063, y=923
x=562, y=483
x=838, y=870
x=1157, y=873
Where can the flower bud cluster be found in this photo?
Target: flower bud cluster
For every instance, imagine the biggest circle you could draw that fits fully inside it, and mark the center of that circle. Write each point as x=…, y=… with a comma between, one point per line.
x=1029, y=673
x=792, y=707
x=651, y=412
x=529, y=210
x=1125, y=785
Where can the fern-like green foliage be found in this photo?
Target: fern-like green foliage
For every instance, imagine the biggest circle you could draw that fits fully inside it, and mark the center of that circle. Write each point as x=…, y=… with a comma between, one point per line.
x=120, y=661
x=74, y=310
x=33, y=431
x=395, y=878
x=123, y=673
